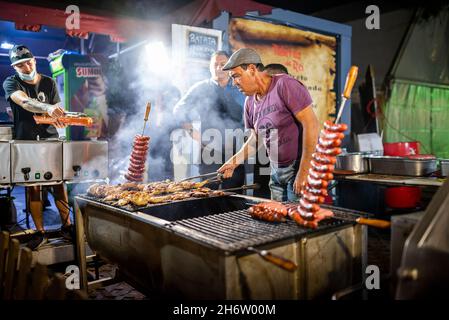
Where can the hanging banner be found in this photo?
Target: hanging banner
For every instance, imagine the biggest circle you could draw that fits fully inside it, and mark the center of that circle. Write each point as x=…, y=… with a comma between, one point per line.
x=308, y=56
x=82, y=88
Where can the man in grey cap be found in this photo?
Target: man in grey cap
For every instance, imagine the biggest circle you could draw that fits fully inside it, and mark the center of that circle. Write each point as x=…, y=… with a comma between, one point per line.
x=29, y=92
x=278, y=110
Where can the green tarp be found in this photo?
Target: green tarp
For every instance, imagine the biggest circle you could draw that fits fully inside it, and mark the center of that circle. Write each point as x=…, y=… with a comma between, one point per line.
x=418, y=112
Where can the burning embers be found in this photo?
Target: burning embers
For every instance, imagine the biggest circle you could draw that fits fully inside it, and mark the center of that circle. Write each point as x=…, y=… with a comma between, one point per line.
x=151, y=193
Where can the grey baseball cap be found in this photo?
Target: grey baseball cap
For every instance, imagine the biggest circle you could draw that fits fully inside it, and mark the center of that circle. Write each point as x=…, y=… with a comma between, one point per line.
x=242, y=56
x=19, y=53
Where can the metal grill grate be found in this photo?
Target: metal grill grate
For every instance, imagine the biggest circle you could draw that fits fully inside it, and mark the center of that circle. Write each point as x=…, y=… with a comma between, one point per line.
x=237, y=230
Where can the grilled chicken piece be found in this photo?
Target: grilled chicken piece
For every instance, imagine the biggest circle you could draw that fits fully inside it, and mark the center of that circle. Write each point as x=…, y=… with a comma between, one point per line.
x=172, y=188
x=129, y=186
x=159, y=199
x=218, y=193
x=92, y=190
x=139, y=199
x=122, y=202
x=180, y=196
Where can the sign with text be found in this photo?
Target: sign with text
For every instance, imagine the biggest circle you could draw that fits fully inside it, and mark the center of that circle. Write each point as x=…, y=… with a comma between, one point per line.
x=192, y=48
x=308, y=56
x=201, y=45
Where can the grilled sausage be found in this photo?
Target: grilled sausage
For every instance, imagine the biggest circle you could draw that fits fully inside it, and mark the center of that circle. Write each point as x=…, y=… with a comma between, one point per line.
x=323, y=159
x=307, y=206
x=321, y=175
x=269, y=211
x=317, y=183
x=311, y=197
x=295, y=215
x=139, y=137
x=326, y=143
x=133, y=177
x=330, y=126
x=136, y=152
x=322, y=167
x=316, y=191
x=328, y=152
x=326, y=134
x=323, y=214
x=138, y=147
x=138, y=158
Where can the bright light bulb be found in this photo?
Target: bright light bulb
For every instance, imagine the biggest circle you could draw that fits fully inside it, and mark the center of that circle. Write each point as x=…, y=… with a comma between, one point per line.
x=156, y=56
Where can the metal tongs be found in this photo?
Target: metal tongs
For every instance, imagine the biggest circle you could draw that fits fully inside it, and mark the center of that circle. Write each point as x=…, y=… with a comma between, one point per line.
x=216, y=177
x=74, y=114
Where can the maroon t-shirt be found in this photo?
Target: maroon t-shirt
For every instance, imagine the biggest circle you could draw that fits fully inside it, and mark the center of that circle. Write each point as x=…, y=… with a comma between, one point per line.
x=276, y=110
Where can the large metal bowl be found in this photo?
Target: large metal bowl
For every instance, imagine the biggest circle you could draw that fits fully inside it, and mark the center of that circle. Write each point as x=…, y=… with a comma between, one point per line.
x=354, y=162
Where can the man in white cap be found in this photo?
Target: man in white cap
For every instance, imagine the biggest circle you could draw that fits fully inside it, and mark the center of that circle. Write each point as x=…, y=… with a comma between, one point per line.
x=29, y=92
x=278, y=108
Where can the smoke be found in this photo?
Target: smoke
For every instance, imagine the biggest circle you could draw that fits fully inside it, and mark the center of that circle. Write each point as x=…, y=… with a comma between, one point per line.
x=139, y=80
x=141, y=84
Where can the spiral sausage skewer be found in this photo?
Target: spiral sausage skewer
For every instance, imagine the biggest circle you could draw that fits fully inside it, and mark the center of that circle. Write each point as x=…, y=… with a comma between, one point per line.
x=138, y=158
x=308, y=212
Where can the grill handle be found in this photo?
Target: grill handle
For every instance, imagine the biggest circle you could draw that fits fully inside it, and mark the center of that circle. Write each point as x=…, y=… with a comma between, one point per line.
x=376, y=223
x=279, y=261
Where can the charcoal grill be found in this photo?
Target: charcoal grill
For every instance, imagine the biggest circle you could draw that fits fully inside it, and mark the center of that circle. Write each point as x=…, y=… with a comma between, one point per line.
x=198, y=249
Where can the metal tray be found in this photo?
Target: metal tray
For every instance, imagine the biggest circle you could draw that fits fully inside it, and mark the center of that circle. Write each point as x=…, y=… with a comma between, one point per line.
x=402, y=166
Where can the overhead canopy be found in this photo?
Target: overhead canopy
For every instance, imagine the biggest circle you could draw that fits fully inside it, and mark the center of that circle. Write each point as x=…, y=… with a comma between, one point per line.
x=30, y=18
x=201, y=11
x=424, y=55
x=120, y=29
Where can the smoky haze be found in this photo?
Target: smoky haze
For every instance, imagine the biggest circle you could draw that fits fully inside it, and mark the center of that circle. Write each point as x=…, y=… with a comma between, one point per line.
x=137, y=81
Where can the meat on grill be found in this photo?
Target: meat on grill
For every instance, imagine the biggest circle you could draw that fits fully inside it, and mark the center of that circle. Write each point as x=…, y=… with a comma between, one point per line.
x=308, y=212
x=138, y=158
x=140, y=194
x=274, y=211
x=269, y=211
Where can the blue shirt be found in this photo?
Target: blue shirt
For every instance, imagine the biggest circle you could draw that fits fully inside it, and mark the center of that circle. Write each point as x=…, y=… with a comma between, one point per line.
x=216, y=107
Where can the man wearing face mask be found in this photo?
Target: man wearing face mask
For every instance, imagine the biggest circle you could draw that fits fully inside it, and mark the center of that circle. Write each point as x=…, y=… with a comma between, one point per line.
x=29, y=92
x=218, y=106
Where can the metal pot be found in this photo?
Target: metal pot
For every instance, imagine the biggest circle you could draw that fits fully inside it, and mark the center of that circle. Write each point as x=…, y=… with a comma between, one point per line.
x=354, y=162
x=444, y=163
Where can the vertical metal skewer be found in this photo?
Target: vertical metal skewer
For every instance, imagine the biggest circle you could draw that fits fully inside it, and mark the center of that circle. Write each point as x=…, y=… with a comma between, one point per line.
x=350, y=81
x=147, y=113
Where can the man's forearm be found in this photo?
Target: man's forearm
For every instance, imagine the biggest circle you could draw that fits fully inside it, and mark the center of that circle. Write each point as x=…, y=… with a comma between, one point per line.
x=310, y=139
x=311, y=130
x=248, y=149
x=35, y=106
x=305, y=164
